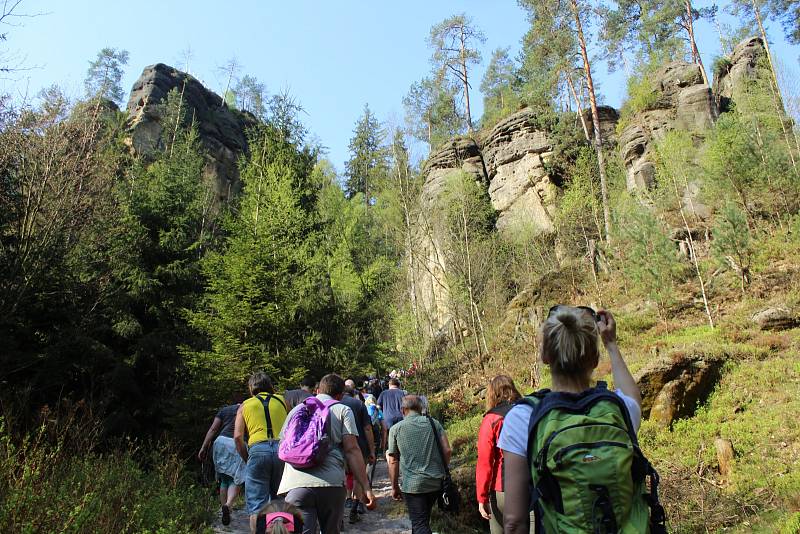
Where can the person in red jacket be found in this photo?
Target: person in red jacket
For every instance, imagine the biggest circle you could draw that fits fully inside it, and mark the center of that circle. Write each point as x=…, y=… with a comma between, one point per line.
x=501, y=394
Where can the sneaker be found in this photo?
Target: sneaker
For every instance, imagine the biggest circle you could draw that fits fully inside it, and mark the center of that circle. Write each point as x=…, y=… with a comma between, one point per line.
x=226, y=515
x=361, y=508
x=354, y=517
x=348, y=503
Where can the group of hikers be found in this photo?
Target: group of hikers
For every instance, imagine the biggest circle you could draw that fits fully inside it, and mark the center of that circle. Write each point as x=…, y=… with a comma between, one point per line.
x=559, y=460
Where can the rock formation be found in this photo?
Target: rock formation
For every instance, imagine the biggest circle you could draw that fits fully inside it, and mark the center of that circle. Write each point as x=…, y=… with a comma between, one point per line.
x=683, y=102
x=776, y=318
x=222, y=131
x=733, y=73
x=673, y=385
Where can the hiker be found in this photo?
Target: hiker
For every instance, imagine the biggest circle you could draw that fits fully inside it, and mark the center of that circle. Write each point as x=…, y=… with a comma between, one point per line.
x=319, y=491
x=228, y=465
x=366, y=442
x=279, y=517
x=415, y=459
x=260, y=417
x=293, y=397
x=501, y=394
x=389, y=402
x=579, y=436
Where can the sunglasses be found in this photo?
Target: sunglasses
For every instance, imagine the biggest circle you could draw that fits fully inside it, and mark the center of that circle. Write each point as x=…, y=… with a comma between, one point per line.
x=591, y=311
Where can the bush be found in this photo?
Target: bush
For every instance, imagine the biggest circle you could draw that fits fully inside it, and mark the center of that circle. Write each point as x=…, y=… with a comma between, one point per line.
x=50, y=486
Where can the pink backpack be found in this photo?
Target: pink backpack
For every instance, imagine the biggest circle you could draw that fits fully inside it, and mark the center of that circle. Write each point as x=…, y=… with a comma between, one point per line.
x=306, y=440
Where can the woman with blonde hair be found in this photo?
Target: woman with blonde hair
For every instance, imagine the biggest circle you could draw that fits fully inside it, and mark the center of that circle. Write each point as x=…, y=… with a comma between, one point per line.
x=576, y=445
x=501, y=394
x=279, y=517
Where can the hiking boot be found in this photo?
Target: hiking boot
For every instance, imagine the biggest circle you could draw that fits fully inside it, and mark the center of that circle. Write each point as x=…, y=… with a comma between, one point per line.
x=361, y=508
x=226, y=515
x=354, y=517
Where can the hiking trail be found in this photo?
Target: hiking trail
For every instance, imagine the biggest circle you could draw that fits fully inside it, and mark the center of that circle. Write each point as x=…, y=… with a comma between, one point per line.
x=388, y=518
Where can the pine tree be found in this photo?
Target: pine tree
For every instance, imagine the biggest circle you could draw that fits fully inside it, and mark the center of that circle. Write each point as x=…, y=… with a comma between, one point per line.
x=251, y=95
x=432, y=111
x=498, y=86
x=368, y=162
x=453, y=43
x=104, y=76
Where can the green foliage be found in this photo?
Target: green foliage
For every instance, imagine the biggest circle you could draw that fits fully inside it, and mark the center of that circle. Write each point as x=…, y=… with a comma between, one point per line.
x=55, y=487
x=647, y=257
x=580, y=213
x=432, y=112
x=104, y=76
x=499, y=88
x=367, y=164
x=732, y=245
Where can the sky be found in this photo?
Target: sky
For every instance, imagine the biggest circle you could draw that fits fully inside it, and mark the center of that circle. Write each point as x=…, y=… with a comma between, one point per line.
x=333, y=56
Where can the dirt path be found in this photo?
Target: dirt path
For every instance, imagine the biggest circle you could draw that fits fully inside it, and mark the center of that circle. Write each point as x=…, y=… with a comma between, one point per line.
x=388, y=518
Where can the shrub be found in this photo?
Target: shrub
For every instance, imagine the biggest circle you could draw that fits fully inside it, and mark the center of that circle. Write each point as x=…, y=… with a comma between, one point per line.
x=48, y=486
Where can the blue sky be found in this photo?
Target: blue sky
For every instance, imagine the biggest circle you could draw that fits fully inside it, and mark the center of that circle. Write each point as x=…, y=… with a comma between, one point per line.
x=334, y=56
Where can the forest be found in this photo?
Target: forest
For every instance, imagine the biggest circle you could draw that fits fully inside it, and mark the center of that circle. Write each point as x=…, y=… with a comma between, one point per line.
x=149, y=263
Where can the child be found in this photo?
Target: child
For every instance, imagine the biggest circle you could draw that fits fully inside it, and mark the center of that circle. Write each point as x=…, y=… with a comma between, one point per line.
x=279, y=517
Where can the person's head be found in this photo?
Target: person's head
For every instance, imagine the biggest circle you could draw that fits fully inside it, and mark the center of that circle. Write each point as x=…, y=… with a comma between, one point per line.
x=308, y=383
x=260, y=382
x=411, y=404
x=333, y=385
x=279, y=517
x=569, y=342
x=350, y=386
x=501, y=389
x=394, y=383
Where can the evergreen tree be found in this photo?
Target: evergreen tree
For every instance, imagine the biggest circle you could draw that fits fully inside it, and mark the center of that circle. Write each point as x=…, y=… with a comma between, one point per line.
x=453, y=43
x=251, y=95
x=104, y=76
x=368, y=162
x=432, y=111
x=498, y=86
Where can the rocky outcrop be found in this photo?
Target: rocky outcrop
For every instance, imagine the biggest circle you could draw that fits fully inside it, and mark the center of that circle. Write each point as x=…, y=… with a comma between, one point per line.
x=735, y=71
x=673, y=386
x=221, y=131
x=682, y=102
x=514, y=154
x=776, y=318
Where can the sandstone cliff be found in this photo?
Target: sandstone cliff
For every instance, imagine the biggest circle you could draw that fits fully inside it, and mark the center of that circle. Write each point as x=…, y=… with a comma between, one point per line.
x=222, y=131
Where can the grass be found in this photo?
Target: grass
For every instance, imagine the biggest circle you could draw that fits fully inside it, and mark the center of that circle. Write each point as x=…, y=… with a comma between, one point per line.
x=63, y=485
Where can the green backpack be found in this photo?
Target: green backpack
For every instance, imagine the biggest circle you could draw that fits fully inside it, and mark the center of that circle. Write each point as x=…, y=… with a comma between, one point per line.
x=588, y=473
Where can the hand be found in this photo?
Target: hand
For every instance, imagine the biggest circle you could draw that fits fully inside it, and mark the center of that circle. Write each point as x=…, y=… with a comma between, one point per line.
x=485, y=510
x=370, y=503
x=607, y=327
x=202, y=455
x=397, y=495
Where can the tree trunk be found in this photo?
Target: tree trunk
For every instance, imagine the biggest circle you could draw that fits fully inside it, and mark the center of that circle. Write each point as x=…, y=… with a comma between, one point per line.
x=465, y=80
x=579, y=105
x=598, y=140
x=690, y=30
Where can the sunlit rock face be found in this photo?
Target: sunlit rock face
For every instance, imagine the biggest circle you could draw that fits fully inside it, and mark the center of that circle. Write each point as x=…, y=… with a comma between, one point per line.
x=682, y=102
x=222, y=131
x=741, y=67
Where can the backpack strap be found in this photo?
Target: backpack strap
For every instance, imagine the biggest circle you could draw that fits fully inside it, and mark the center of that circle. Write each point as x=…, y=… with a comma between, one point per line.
x=437, y=439
x=265, y=402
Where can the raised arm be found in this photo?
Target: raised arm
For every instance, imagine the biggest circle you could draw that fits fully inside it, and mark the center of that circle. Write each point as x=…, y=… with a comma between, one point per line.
x=516, y=515
x=622, y=376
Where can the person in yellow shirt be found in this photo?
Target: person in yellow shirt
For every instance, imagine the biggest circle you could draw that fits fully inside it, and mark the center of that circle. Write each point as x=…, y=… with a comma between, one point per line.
x=260, y=418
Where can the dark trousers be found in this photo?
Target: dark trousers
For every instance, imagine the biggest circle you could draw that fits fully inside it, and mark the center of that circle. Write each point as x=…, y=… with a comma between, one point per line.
x=319, y=506
x=419, y=506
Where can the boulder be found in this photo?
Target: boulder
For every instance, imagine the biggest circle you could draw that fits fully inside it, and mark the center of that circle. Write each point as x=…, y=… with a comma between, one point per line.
x=221, y=131
x=674, y=385
x=683, y=101
x=776, y=318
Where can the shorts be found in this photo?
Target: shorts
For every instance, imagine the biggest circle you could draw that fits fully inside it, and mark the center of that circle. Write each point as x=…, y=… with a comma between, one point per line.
x=389, y=422
x=225, y=481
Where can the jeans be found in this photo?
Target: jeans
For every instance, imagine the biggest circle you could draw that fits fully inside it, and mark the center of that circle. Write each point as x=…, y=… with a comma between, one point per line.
x=419, y=506
x=262, y=475
x=319, y=505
